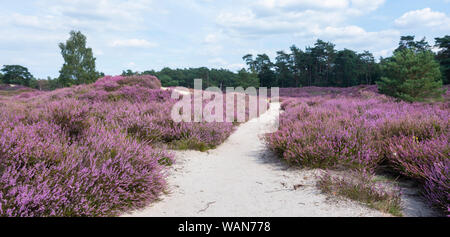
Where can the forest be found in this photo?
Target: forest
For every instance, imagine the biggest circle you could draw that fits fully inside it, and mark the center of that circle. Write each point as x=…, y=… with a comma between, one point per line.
x=320, y=65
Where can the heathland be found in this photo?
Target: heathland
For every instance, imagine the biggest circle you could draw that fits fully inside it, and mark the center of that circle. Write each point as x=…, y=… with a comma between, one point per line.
x=104, y=149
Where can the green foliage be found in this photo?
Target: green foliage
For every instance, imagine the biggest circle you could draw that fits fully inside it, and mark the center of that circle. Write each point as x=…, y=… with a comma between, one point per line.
x=128, y=73
x=320, y=65
x=443, y=57
x=283, y=67
x=411, y=75
x=264, y=68
x=45, y=84
x=167, y=80
x=221, y=78
x=185, y=77
x=408, y=42
x=16, y=74
x=247, y=79
x=347, y=67
x=79, y=62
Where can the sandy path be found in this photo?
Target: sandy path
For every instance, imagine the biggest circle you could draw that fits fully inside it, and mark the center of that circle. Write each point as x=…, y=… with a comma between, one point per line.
x=242, y=178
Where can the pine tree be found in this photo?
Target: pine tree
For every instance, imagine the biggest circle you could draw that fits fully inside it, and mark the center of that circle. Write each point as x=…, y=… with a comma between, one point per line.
x=412, y=76
x=443, y=56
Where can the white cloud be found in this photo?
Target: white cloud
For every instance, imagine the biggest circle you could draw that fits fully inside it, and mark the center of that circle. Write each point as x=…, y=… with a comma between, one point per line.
x=41, y=22
x=219, y=61
x=222, y=63
x=131, y=65
x=356, y=38
x=348, y=7
x=236, y=66
x=211, y=38
x=270, y=17
x=135, y=43
x=366, y=5
x=360, y=5
x=98, y=52
x=355, y=33
x=200, y=32
x=247, y=23
x=304, y=3
x=86, y=14
x=423, y=18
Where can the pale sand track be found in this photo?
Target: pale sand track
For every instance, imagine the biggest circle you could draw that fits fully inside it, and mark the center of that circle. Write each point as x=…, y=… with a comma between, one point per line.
x=242, y=178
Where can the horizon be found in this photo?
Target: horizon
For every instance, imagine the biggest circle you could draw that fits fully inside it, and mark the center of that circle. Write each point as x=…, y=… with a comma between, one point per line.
x=203, y=33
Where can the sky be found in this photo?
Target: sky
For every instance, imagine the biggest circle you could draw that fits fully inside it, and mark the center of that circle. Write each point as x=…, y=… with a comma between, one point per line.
x=152, y=34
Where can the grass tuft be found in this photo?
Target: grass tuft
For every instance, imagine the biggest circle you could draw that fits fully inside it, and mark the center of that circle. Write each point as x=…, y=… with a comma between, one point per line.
x=363, y=188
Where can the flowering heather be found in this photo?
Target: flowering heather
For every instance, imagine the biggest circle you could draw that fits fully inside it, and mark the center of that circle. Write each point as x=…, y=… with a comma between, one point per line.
x=45, y=173
x=92, y=150
x=356, y=128
x=109, y=83
x=331, y=92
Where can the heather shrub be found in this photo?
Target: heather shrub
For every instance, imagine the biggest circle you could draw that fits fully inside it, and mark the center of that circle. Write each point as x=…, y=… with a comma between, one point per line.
x=146, y=81
x=92, y=150
x=151, y=122
x=111, y=83
x=347, y=131
x=423, y=123
x=38, y=141
x=62, y=93
x=141, y=94
x=317, y=134
x=44, y=172
x=206, y=135
x=155, y=128
x=95, y=95
x=101, y=175
x=108, y=83
x=413, y=157
x=427, y=161
x=71, y=115
x=437, y=185
x=137, y=89
x=26, y=95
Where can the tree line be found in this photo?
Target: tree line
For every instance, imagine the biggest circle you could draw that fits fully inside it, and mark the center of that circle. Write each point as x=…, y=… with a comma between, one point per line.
x=211, y=77
x=318, y=65
x=322, y=65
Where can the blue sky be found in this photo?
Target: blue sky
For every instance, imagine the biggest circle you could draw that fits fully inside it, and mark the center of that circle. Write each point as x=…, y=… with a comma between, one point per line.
x=151, y=34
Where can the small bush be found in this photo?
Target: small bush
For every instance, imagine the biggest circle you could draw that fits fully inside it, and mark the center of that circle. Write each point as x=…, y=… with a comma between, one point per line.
x=70, y=114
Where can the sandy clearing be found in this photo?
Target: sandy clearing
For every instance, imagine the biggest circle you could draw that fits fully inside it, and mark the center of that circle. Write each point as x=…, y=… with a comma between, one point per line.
x=242, y=178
